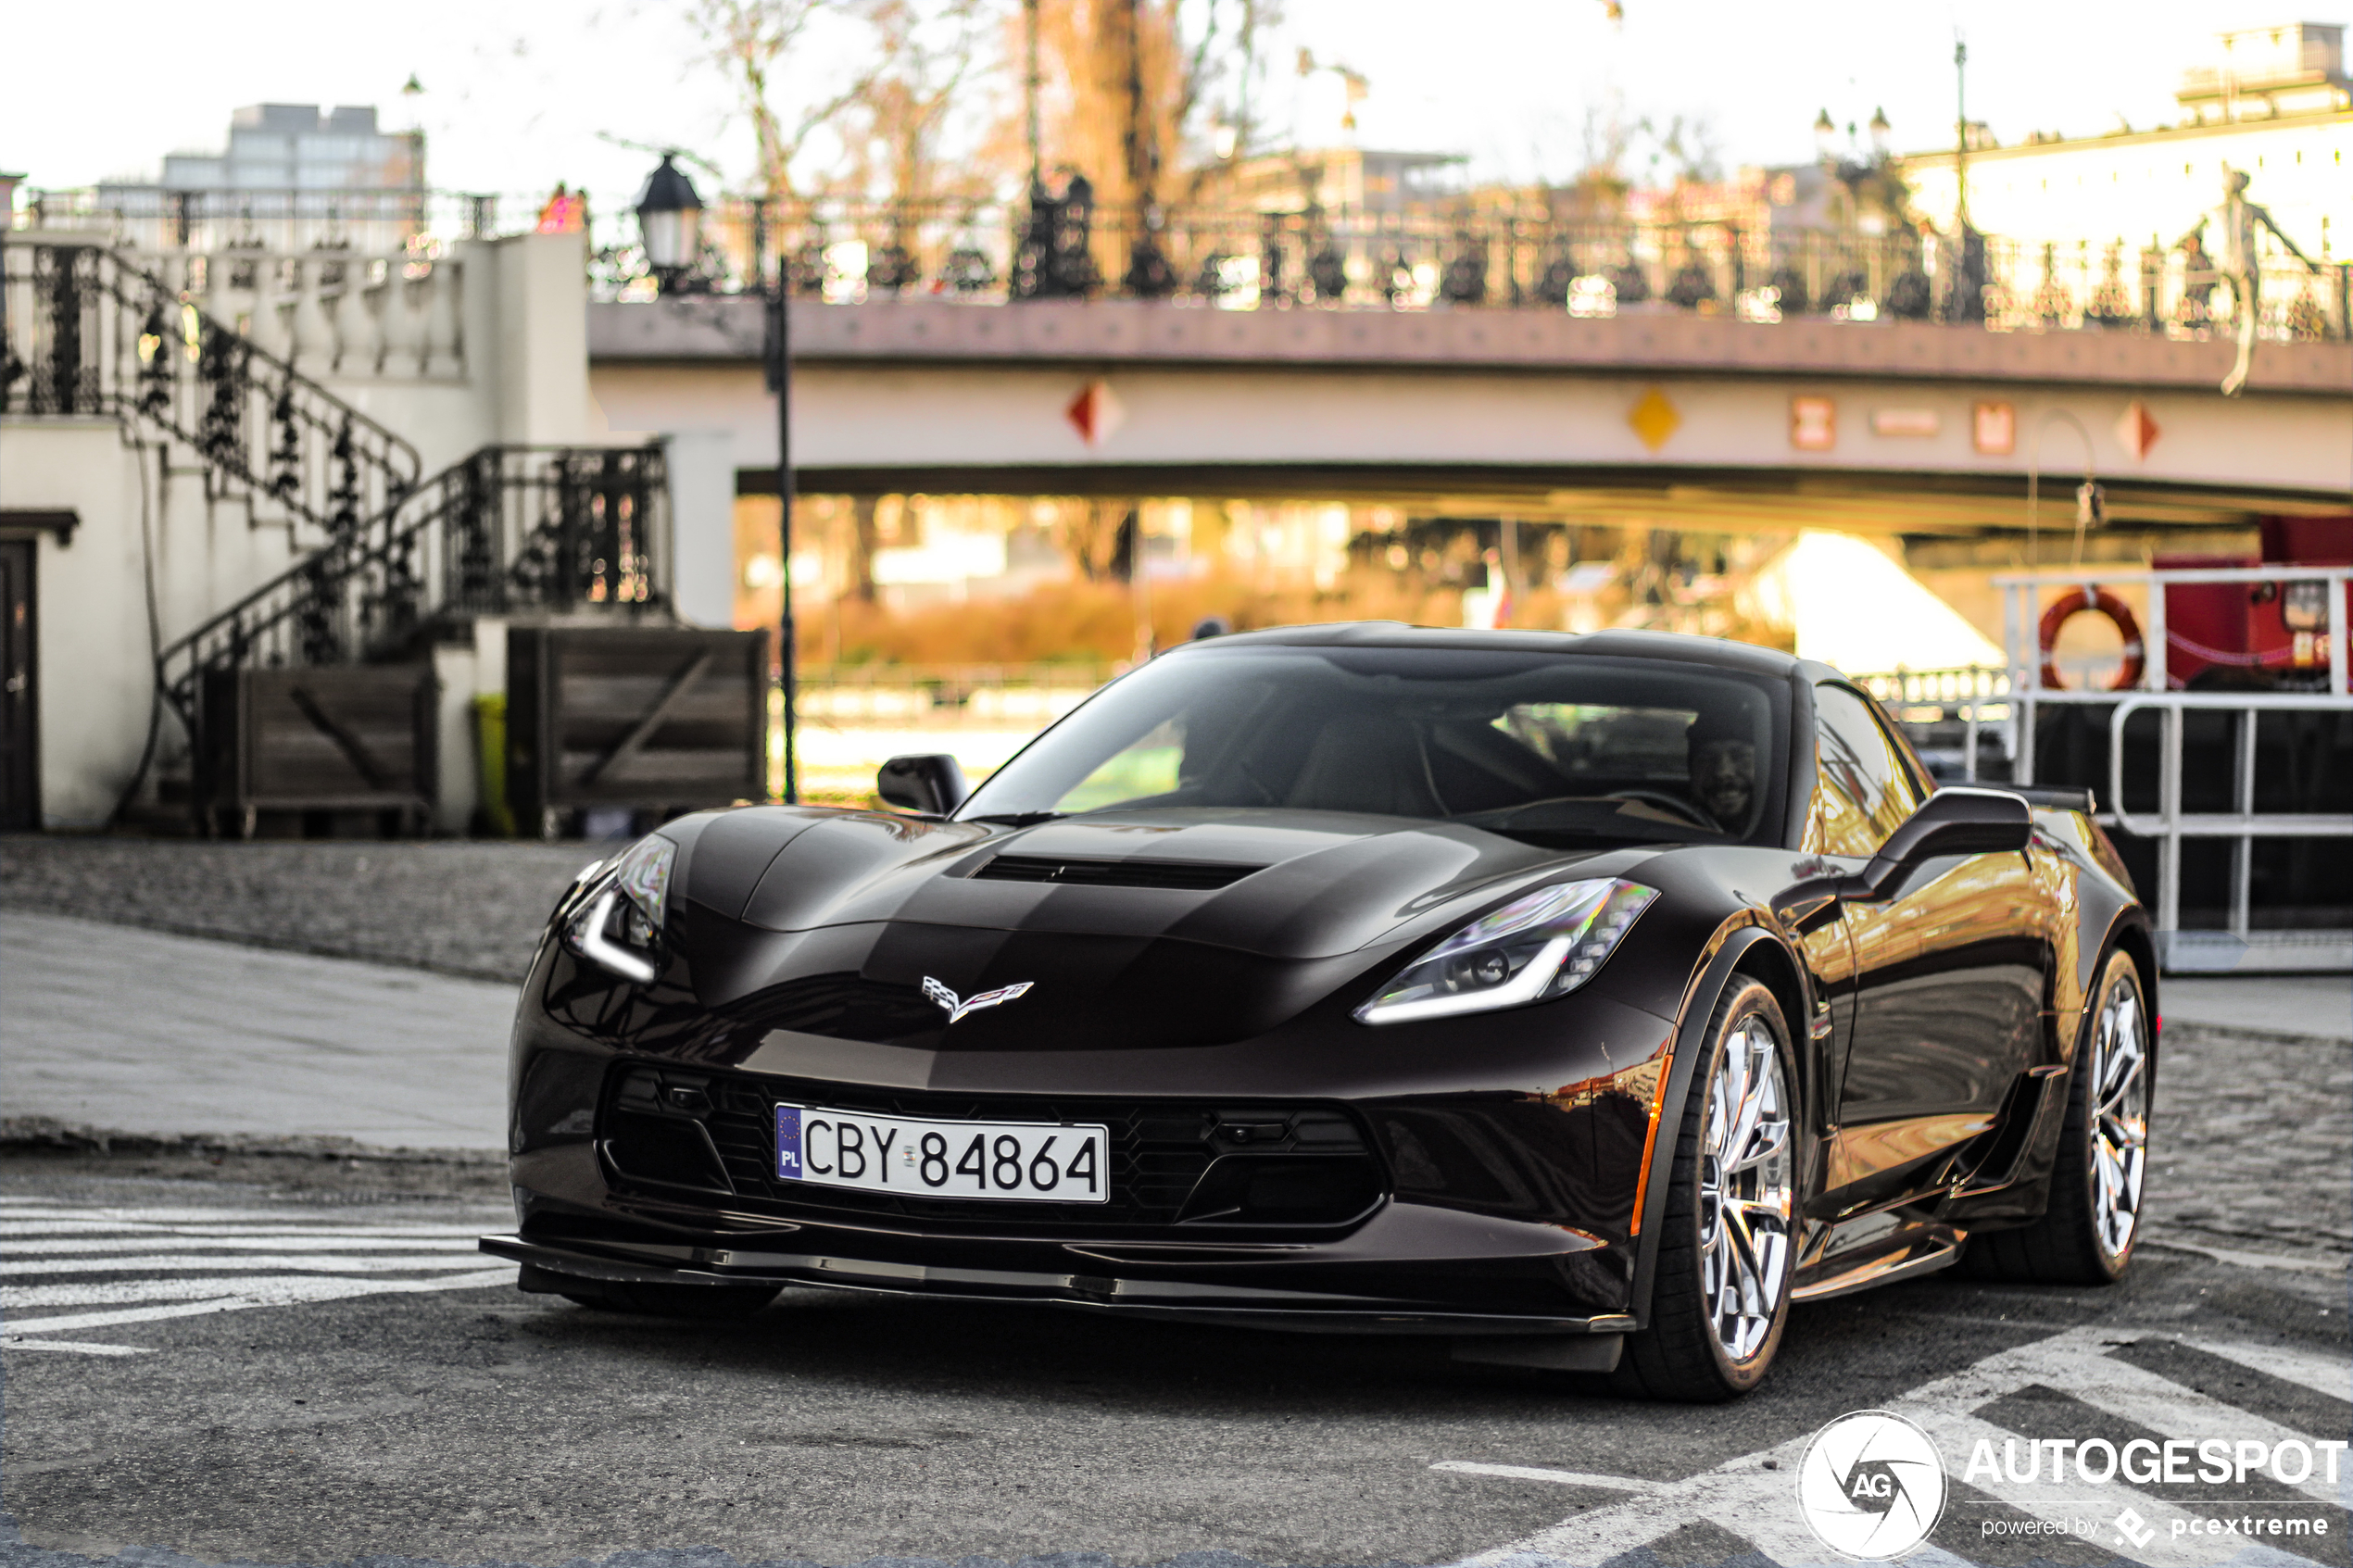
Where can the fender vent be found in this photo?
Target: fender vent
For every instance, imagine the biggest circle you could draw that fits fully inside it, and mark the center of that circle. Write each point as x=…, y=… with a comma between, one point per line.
x=1190, y=876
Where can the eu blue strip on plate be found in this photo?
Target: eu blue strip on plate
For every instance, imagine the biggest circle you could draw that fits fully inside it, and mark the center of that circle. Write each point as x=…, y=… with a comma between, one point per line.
x=788, y=1143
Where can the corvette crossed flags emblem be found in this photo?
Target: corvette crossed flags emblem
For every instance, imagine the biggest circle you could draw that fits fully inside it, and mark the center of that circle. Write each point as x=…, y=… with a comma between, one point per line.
x=957, y=1008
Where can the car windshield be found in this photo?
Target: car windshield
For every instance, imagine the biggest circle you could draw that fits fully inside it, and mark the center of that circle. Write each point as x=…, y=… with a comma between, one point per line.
x=1542, y=747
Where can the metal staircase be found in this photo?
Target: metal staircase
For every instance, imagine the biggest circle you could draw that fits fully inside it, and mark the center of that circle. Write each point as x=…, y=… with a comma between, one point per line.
x=509, y=529
x=391, y=562
x=86, y=333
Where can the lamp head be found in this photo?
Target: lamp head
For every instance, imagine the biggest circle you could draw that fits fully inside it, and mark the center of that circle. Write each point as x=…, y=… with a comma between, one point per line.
x=669, y=221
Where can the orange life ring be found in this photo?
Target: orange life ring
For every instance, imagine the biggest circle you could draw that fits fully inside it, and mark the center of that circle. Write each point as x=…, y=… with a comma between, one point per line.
x=2074, y=602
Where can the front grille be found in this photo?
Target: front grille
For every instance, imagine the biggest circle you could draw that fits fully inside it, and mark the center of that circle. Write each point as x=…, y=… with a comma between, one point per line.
x=1190, y=876
x=1266, y=1163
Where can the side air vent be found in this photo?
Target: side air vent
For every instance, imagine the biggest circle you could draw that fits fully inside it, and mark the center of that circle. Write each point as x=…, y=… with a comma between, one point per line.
x=1191, y=876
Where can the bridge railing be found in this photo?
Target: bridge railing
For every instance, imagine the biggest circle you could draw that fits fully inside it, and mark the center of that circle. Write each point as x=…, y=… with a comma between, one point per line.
x=991, y=253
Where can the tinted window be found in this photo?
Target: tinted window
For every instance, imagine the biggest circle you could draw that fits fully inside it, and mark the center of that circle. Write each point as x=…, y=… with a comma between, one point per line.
x=1862, y=789
x=1534, y=745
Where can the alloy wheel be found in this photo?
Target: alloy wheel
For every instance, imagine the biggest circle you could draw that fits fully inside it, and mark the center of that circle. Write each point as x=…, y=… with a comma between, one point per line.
x=1745, y=1196
x=2120, y=1131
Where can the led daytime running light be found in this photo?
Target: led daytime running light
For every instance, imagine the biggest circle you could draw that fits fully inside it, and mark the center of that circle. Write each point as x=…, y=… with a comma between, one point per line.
x=1540, y=946
x=642, y=877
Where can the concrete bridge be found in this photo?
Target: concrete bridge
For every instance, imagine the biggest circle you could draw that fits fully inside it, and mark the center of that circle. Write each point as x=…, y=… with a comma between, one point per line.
x=1666, y=415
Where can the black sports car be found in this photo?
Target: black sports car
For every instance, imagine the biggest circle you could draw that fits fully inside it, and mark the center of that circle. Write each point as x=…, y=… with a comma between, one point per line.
x=1585, y=998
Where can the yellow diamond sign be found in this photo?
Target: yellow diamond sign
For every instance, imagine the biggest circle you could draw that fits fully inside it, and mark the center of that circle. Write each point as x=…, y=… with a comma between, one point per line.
x=1653, y=419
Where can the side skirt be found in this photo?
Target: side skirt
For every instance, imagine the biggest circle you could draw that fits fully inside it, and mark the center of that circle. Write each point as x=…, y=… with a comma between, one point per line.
x=1922, y=1249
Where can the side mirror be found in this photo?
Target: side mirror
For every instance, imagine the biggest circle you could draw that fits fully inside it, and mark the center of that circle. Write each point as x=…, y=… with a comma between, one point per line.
x=1957, y=820
x=931, y=783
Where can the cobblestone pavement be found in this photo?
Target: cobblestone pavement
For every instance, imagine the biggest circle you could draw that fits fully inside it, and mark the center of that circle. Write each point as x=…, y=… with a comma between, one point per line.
x=2253, y=1139
x=468, y=908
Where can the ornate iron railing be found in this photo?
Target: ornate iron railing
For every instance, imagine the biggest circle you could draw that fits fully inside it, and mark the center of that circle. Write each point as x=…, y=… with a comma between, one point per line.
x=85, y=332
x=986, y=253
x=510, y=528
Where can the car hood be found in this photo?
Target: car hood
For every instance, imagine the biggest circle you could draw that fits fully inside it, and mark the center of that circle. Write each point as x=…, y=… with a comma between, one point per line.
x=1277, y=884
x=1149, y=928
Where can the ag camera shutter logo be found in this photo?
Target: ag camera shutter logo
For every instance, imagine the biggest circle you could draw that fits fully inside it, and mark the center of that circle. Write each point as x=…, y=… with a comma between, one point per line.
x=1872, y=1486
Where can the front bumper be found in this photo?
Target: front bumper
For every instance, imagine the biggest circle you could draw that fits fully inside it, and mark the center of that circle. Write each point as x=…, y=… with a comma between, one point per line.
x=1102, y=1283
x=1506, y=1157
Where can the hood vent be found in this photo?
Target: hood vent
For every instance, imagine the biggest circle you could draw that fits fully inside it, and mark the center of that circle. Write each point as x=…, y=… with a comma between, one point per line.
x=1190, y=876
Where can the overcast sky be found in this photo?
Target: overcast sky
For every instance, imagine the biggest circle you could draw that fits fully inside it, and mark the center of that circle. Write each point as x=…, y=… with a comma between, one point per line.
x=517, y=92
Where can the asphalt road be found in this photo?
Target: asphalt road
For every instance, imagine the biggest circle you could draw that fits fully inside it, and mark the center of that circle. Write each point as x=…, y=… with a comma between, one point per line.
x=372, y=1392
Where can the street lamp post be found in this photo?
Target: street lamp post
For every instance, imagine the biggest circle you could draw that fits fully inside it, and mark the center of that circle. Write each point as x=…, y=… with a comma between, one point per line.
x=779, y=364
x=669, y=222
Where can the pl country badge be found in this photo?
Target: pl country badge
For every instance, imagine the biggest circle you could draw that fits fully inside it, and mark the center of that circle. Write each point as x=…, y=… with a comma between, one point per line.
x=1872, y=1486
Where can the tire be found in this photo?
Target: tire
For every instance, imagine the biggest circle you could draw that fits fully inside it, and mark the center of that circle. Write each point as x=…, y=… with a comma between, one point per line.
x=707, y=1303
x=1720, y=1295
x=2100, y=1176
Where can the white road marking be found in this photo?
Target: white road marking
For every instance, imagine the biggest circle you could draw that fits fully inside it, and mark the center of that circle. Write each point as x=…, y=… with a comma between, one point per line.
x=11, y=1228
x=305, y=1241
x=286, y=1287
x=128, y=1264
x=168, y=1262
x=1561, y=1477
x=2318, y=1265
x=2316, y=1373
x=1758, y=1504
x=320, y=1289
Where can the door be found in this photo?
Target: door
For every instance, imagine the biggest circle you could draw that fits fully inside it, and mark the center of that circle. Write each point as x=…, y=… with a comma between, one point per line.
x=1949, y=967
x=19, y=693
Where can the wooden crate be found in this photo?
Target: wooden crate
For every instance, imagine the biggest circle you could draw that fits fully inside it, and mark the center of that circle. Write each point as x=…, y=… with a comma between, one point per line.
x=337, y=739
x=653, y=718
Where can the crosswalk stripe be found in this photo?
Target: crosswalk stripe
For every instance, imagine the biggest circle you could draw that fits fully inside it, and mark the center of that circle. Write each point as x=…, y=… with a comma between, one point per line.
x=92, y=1246
x=1746, y=1498
x=172, y=1263
x=14, y=1228
x=186, y=1216
x=321, y=1288
x=130, y=1263
x=2331, y=1377
x=286, y=1287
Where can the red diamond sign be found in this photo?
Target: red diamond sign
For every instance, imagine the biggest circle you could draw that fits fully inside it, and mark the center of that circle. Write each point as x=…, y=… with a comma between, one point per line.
x=1095, y=413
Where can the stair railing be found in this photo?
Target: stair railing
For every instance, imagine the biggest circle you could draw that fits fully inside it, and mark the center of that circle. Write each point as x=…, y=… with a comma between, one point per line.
x=84, y=332
x=509, y=529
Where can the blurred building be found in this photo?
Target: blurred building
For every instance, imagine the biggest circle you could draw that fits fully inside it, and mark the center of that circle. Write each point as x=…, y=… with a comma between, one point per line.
x=299, y=148
x=2274, y=102
x=1351, y=180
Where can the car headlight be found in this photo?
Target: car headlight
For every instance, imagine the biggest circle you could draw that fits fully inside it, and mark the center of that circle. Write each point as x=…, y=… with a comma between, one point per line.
x=620, y=927
x=1532, y=949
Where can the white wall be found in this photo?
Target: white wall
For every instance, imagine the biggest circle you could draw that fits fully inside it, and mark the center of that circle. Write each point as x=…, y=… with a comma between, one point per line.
x=94, y=652
x=2106, y=188
x=520, y=377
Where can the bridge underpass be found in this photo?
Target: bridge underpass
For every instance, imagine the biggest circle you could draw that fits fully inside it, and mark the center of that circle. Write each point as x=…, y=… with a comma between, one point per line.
x=1669, y=421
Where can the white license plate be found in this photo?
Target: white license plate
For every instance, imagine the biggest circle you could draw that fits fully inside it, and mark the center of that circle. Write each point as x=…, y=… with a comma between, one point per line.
x=1032, y=1160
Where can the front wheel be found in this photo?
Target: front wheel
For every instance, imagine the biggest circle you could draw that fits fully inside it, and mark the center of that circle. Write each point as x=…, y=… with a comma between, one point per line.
x=2086, y=1236
x=1720, y=1296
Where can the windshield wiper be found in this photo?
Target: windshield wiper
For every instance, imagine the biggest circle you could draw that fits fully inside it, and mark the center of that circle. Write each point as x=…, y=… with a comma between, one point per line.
x=1019, y=819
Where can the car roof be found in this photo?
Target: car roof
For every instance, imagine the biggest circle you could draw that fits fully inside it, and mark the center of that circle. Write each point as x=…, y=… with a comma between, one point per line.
x=1675, y=646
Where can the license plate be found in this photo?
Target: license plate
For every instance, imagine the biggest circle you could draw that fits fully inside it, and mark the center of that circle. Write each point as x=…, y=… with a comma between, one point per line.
x=1030, y=1160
